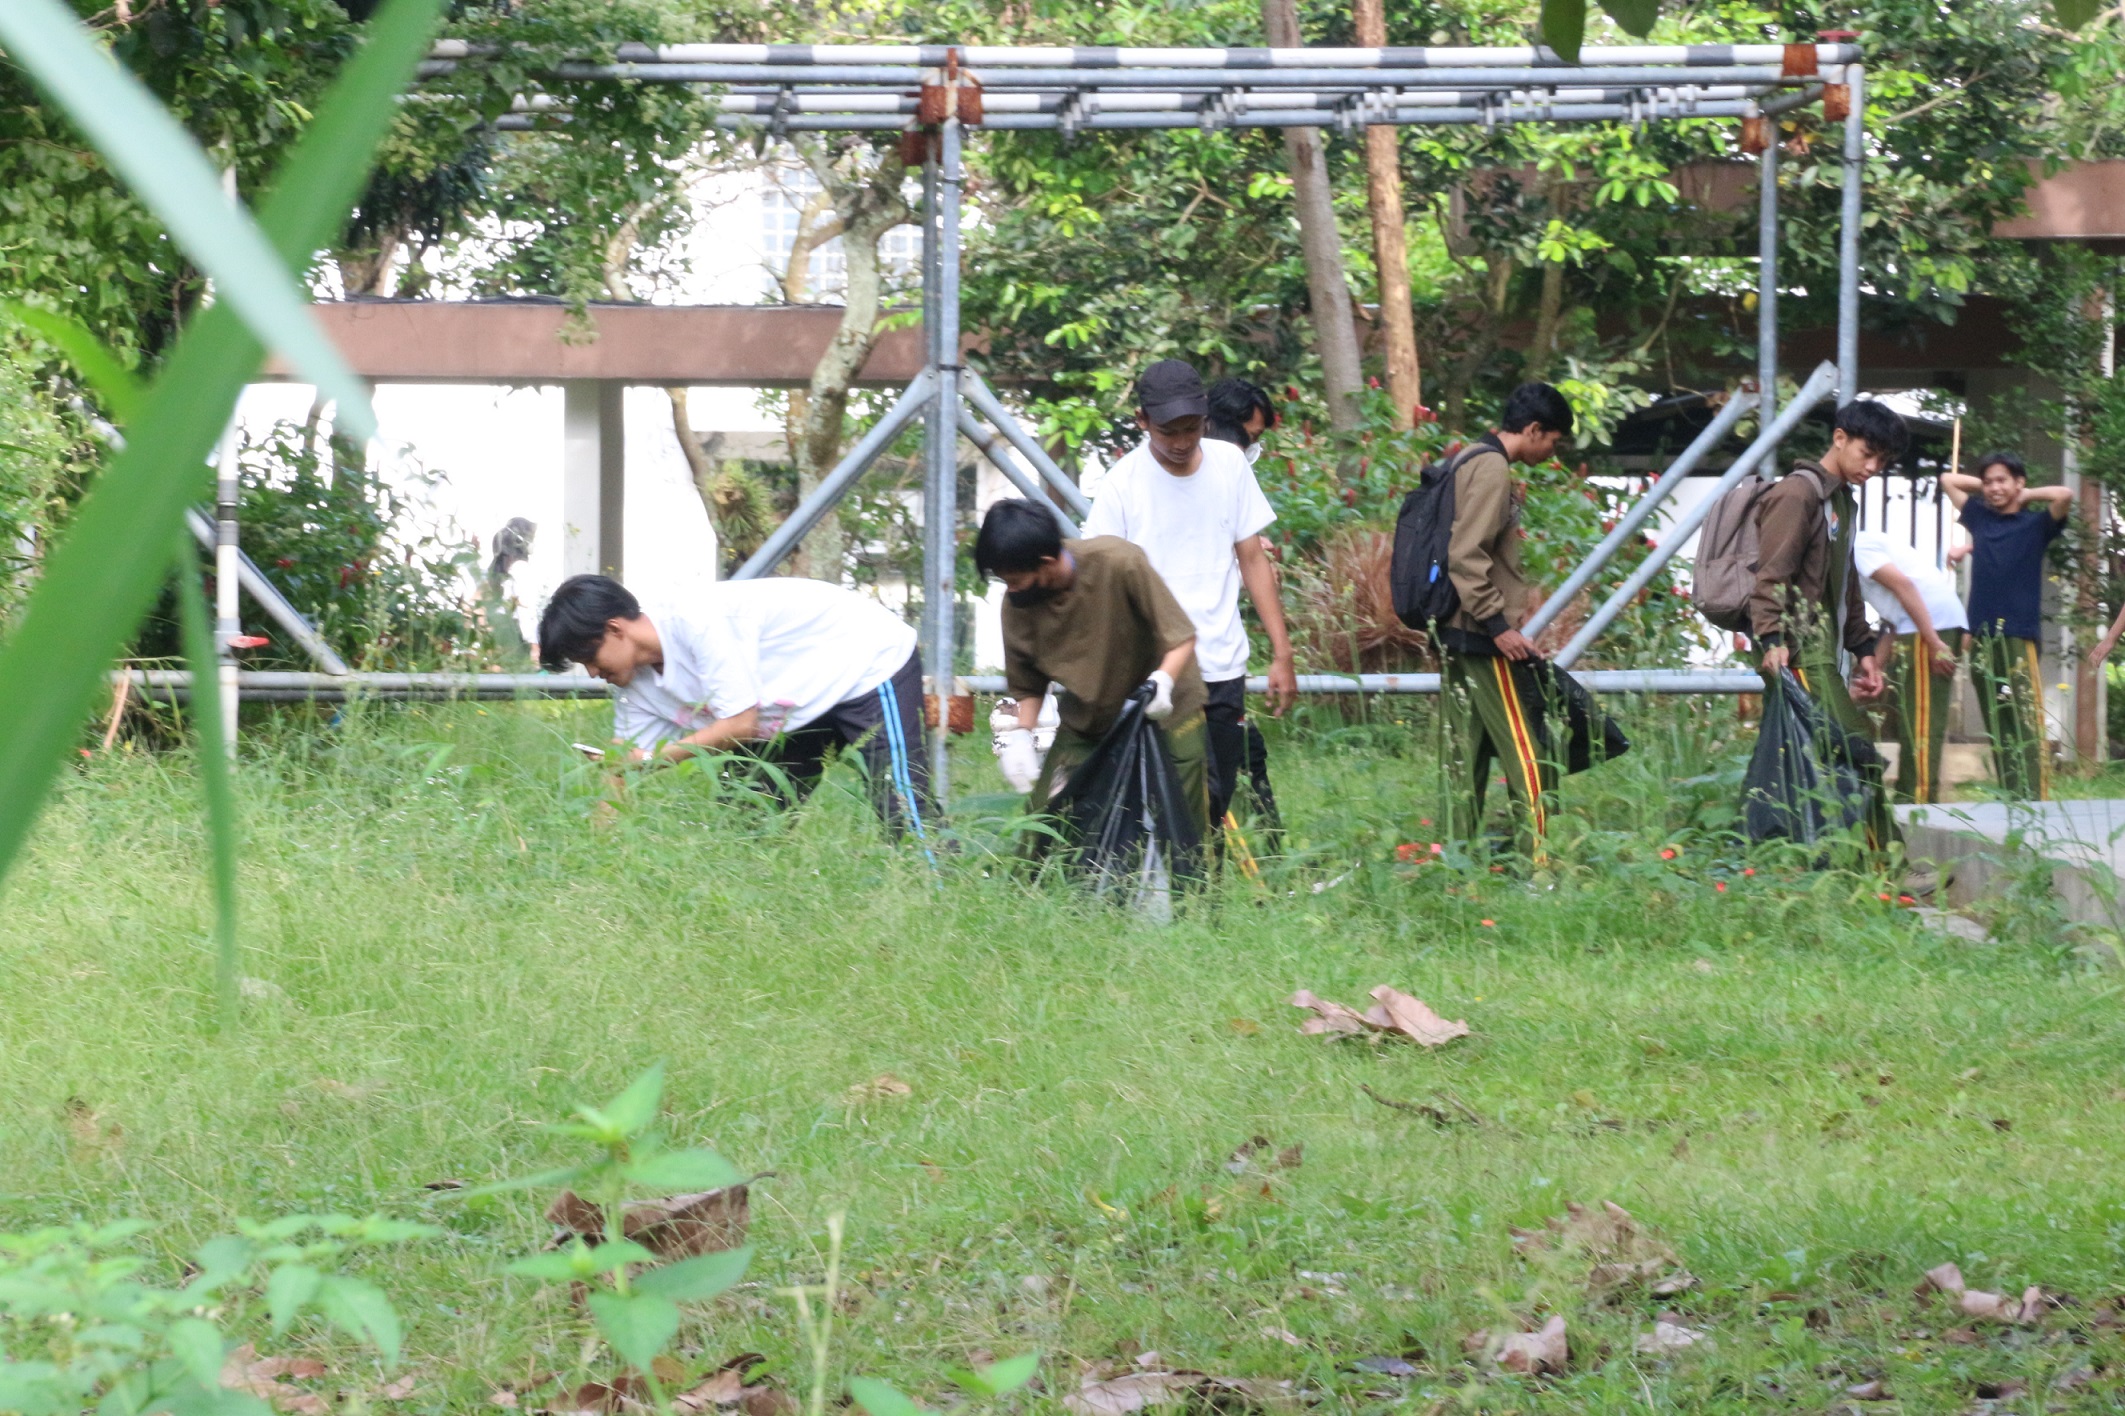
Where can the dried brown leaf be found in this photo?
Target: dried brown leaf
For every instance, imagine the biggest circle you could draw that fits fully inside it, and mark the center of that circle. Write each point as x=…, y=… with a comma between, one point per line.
x=1619, y=1251
x=1328, y=1017
x=675, y=1227
x=398, y=1390
x=883, y=1087
x=244, y=1370
x=1868, y=1391
x=1946, y=1278
x=1395, y=1011
x=1999, y=1308
x=1291, y=1157
x=1667, y=1338
x=1536, y=1353
x=1132, y=1391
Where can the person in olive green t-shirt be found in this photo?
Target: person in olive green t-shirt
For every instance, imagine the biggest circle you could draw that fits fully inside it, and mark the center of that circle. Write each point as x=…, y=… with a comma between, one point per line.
x=1094, y=619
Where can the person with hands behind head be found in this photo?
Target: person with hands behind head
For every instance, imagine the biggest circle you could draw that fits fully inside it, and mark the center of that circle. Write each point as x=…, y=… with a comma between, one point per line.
x=2011, y=524
x=1917, y=602
x=1495, y=702
x=1808, y=601
x=1192, y=504
x=781, y=669
x=1094, y=619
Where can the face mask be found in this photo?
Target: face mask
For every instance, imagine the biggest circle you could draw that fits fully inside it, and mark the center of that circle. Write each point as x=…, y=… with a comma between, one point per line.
x=1254, y=453
x=1032, y=595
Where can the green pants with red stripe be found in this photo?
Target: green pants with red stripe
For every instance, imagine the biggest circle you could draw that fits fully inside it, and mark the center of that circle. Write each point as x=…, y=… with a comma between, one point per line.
x=1921, y=695
x=1495, y=717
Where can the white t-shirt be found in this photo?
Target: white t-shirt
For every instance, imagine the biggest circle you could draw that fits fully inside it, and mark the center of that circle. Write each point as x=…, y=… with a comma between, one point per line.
x=1188, y=527
x=1871, y=550
x=795, y=648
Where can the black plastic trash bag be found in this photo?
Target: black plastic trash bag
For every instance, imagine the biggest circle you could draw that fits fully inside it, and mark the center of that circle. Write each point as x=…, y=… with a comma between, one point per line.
x=1124, y=817
x=1809, y=777
x=1581, y=714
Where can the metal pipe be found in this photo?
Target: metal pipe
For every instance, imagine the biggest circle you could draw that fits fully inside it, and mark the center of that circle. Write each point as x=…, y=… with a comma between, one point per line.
x=1103, y=58
x=992, y=447
x=1767, y=275
x=1298, y=118
x=837, y=482
x=228, y=623
x=1818, y=387
x=1848, y=239
x=1171, y=78
x=253, y=580
x=1716, y=433
x=294, y=687
x=991, y=407
x=940, y=517
x=773, y=102
x=1597, y=680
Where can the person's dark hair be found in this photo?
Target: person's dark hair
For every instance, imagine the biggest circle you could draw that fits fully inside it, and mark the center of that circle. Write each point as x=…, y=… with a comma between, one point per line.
x=1536, y=403
x=1879, y=425
x=573, y=623
x=1016, y=535
x=1232, y=403
x=2008, y=460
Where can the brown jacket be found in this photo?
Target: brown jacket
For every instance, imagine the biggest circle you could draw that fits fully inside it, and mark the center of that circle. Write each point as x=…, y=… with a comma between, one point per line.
x=1795, y=592
x=1483, y=552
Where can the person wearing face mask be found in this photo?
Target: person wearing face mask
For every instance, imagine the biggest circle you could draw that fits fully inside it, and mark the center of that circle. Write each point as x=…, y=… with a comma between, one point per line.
x=1240, y=412
x=1191, y=502
x=1092, y=618
x=1808, y=601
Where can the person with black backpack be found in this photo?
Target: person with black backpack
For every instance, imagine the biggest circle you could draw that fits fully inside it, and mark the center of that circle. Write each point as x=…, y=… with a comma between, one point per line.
x=1808, y=600
x=1501, y=700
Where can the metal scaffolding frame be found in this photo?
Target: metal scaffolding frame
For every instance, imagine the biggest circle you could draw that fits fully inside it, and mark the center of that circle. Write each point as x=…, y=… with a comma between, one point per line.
x=933, y=94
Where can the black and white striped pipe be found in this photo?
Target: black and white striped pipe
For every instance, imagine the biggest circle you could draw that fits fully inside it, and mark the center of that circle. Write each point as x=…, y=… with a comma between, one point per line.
x=1693, y=56
x=1213, y=118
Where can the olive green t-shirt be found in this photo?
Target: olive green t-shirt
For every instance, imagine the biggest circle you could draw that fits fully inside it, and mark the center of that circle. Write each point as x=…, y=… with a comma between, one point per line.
x=1100, y=638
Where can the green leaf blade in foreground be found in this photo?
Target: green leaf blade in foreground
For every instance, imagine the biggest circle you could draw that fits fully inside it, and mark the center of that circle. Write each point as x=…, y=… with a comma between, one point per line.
x=697, y=1279
x=632, y=1110
x=1009, y=1375
x=103, y=576
x=683, y=1170
x=166, y=169
x=1564, y=27
x=637, y=1325
x=214, y=771
x=879, y=1399
x=119, y=387
x=1636, y=16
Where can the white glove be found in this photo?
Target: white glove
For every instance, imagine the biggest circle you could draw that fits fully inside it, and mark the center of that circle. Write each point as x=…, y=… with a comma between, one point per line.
x=1019, y=758
x=1161, y=706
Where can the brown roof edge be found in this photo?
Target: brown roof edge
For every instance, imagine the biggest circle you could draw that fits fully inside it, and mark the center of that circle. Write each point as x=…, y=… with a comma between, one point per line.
x=522, y=341
x=2083, y=202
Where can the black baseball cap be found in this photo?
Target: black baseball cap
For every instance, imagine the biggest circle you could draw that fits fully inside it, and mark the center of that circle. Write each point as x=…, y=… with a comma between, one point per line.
x=1171, y=389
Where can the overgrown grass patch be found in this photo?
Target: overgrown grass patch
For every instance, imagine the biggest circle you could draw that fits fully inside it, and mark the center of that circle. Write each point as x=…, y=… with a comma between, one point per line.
x=453, y=942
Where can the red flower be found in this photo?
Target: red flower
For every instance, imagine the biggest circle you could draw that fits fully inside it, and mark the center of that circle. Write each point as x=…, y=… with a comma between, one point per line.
x=1350, y=496
x=1749, y=870
x=1408, y=851
x=1720, y=886
x=284, y=562
x=1490, y=924
x=1667, y=852
x=1905, y=900
x=1372, y=380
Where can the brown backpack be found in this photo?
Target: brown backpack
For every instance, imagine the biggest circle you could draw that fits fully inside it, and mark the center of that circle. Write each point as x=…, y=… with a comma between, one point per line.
x=1729, y=549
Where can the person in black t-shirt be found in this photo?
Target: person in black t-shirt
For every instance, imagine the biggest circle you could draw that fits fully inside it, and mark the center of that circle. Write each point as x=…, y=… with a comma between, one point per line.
x=2010, y=524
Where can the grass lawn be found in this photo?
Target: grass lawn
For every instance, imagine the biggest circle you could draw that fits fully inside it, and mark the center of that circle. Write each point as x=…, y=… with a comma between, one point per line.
x=1811, y=1099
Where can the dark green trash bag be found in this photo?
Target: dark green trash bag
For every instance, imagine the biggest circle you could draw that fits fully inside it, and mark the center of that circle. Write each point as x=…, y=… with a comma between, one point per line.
x=1809, y=776
x=1129, y=833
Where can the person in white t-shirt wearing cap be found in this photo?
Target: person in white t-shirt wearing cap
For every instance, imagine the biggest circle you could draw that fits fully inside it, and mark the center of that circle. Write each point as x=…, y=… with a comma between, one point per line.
x=1195, y=508
x=1919, y=607
x=783, y=669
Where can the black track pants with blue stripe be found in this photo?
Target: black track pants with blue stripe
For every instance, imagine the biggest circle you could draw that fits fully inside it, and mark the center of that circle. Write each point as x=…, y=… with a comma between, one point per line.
x=885, y=725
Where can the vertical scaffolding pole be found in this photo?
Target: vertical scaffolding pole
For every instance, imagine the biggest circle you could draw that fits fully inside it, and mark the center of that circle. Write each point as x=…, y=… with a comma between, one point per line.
x=228, y=625
x=940, y=518
x=1767, y=281
x=1848, y=238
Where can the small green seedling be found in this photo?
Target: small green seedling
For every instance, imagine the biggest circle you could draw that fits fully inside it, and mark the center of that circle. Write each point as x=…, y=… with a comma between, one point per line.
x=636, y=1312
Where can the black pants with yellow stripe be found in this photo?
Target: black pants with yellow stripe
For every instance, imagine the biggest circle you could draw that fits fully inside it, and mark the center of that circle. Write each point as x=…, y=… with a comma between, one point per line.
x=1496, y=716
x=2009, y=679
x=1921, y=697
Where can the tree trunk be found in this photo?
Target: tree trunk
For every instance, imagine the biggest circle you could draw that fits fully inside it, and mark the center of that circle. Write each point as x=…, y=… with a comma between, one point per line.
x=867, y=204
x=1390, y=245
x=698, y=463
x=1327, y=287
x=1549, y=311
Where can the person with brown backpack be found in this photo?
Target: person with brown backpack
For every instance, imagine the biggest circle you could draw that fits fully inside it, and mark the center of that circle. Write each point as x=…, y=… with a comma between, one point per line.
x=1807, y=601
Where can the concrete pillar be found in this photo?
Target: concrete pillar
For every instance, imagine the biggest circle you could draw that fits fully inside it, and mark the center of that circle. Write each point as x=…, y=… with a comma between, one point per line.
x=593, y=476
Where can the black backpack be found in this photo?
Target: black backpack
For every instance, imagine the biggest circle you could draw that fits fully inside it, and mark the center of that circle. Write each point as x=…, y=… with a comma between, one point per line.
x=1424, y=593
